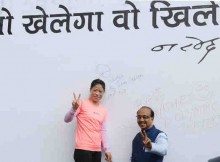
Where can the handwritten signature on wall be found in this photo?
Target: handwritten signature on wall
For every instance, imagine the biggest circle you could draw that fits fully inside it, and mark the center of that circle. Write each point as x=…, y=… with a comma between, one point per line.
x=118, y=83
x=210, y=45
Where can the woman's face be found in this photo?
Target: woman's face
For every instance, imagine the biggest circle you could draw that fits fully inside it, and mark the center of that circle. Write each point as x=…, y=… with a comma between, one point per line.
x=96, y=93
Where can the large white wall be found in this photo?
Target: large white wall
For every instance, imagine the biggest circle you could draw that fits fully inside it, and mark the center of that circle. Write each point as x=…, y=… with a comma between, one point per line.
x=39, y=73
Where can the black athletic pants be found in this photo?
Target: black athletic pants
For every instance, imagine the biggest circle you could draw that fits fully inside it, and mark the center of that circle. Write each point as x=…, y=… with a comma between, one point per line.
x=87, y=156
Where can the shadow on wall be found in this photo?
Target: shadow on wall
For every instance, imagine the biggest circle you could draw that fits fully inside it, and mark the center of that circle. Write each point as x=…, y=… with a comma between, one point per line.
x=216, y=159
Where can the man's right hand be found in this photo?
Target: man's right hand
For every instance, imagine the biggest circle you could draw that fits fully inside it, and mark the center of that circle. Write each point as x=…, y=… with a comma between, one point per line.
x=146, y=140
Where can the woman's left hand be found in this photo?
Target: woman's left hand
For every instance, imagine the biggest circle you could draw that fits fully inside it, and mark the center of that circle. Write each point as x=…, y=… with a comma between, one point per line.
x=108, y=157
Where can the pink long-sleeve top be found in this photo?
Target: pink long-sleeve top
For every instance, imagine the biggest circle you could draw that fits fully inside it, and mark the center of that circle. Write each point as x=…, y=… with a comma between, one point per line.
x=91, y=126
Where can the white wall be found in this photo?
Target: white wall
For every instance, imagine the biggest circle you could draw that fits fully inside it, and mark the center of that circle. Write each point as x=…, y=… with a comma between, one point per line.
x=39, y=73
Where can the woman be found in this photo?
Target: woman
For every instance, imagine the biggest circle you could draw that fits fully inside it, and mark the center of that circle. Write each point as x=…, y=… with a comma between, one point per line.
x=90, y=129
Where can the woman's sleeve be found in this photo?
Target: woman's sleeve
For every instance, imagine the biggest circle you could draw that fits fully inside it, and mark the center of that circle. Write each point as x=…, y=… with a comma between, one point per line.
x=105, y=140
x=69, y=115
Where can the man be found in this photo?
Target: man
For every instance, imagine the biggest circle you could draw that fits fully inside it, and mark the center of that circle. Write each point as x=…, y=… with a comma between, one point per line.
x=149, y=145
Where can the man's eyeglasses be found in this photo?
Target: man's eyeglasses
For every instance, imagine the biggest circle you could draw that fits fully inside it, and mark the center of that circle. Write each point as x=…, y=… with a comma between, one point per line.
x=143, y=116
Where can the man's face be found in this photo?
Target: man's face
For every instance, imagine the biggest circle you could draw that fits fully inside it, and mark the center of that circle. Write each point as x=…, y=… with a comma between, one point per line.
x=144, y=118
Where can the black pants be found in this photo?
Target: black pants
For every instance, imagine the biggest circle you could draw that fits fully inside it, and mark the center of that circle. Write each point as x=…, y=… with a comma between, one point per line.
x=87, y=156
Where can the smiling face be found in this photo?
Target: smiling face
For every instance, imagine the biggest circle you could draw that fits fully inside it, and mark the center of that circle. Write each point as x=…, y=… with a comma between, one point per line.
x=96, y=93
x=145, y=118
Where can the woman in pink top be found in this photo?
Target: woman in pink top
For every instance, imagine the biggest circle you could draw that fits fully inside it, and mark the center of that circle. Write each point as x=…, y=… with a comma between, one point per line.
x=90, y=128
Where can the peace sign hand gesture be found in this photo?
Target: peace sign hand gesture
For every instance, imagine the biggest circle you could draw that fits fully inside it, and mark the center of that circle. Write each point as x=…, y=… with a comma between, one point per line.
x=75, y=103
x=146, y=140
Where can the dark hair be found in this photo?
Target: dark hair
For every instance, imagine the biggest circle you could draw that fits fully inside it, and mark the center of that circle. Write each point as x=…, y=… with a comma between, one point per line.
x=151, y=110
x=97, y=81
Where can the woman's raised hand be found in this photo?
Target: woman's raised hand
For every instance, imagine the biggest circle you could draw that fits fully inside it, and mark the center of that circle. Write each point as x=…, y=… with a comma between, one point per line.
x=75, y=103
